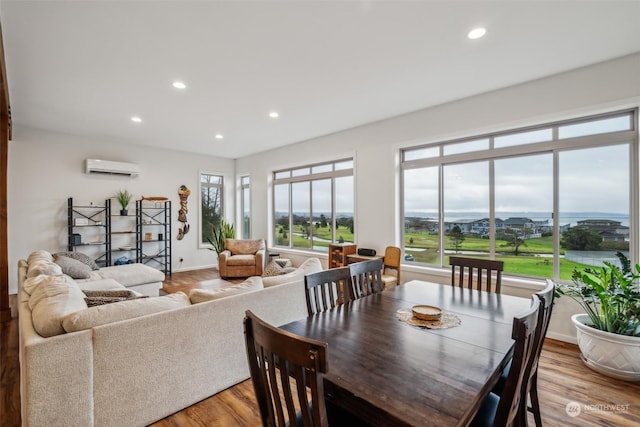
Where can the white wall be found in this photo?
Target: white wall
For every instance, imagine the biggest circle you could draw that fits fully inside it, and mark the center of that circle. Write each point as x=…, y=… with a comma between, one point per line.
x=595, y=89
x=46, y=168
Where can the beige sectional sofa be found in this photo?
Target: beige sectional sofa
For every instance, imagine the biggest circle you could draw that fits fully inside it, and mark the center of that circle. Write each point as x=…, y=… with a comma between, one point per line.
x=134, y=362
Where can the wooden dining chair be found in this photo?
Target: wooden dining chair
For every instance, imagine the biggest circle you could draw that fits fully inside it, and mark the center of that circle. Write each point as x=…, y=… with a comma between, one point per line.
x=487, y=273
x=328, y=289
x=275, y=357
x=366, y=277
x=505, y=410
x=546, y=298
x=391, y=267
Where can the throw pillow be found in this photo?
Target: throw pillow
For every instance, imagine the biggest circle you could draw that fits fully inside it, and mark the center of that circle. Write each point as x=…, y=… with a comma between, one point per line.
x=94, y=298
x=201, y=295
x=53, y=299
x=273, y=269
x=74, y=268
x=39, y=256
x=43, y=267
x=78, y=256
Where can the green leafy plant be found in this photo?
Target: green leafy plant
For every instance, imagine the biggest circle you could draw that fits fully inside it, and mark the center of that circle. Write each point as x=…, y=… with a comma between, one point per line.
x=610, y=295
x=221, y=233
x=123, y=197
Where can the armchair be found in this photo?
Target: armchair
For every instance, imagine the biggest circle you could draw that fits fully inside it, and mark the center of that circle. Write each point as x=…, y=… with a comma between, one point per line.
x=242, y=258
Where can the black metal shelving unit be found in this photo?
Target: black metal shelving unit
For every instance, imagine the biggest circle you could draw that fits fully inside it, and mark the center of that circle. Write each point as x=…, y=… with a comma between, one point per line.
x=89, y=218
x=153, y=234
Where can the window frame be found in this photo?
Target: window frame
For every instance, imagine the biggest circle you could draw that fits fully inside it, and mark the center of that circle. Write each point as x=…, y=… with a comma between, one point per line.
x=244, y=187
x=201, y=244
x=294, y=175
x=554, y=147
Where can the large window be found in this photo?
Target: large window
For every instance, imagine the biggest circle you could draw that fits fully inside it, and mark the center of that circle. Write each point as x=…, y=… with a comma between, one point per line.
x=313, y=205
x=210, y=205
x=544, y=200
x=245, y=207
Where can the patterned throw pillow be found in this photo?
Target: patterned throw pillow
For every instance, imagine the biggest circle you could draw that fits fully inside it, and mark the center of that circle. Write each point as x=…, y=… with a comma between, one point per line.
x=94, y=298
x=273, y=269
x=78, y=256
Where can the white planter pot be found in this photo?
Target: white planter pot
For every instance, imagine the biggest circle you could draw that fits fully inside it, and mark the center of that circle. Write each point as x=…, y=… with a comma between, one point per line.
x=610, y=354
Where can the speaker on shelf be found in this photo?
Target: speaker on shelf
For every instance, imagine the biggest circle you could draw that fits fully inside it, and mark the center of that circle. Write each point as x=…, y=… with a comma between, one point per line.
x=366, y=252
x=76, y=239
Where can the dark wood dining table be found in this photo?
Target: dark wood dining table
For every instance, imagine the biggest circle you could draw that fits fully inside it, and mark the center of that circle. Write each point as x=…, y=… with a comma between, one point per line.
x=390, y=373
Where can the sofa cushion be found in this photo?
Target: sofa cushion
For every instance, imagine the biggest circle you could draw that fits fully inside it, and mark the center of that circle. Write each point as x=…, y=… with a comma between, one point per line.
x=78, y=256
x=310, y=265
x=48, y=268
x=53, y=299
x=30, y=284
x=201, y=295
x=39, y=256
x=240, y=260
x=110, y=313
x=99, y=285
x=129, y=274
x=73, y=267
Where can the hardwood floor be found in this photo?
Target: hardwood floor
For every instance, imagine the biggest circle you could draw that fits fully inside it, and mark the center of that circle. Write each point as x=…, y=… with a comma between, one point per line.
x=563, y=378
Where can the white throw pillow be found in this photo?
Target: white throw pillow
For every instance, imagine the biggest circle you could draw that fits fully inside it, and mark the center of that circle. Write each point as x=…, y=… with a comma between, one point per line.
x=48, y=268
x=201, y=295
x=39, y=256
x=51, y=300
x=117, y=311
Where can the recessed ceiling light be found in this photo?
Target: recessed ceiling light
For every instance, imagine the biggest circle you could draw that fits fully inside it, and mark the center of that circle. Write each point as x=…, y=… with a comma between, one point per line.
x=219, y=136
x=476, y=33
x=274, y=115
x=136, y=119
x=179, y=85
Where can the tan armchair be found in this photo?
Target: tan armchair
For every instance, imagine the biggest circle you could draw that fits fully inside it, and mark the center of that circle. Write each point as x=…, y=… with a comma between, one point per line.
x=242, y=258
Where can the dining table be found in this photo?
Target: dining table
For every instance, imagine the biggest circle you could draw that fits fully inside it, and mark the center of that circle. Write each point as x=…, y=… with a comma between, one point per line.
x=388, y=372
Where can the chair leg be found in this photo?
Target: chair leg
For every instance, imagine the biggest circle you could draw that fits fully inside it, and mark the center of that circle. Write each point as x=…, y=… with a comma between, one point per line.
x=535, y=403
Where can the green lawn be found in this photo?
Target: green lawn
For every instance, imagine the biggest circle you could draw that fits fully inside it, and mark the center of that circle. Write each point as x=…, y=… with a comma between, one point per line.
x=524, y=264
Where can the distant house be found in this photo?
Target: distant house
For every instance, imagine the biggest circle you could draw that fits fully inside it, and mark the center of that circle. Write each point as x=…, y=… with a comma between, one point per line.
x=610, y=230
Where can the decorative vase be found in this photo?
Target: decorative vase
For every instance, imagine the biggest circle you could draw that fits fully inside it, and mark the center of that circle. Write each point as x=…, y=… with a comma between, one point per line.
x=614, y=355
x=124, y=212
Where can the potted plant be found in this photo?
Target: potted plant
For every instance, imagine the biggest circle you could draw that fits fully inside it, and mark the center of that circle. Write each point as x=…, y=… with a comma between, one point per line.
x=221, y=233
x=608, y=333
x=123, y=197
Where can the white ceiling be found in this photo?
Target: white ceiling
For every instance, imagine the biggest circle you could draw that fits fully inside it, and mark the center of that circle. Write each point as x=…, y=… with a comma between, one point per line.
x=85, y=68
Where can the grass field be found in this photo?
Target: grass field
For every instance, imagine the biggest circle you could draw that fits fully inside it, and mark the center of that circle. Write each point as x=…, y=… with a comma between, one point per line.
x=425, y=250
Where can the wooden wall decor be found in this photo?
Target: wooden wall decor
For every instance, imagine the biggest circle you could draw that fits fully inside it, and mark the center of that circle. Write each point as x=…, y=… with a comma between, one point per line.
x=5, y=136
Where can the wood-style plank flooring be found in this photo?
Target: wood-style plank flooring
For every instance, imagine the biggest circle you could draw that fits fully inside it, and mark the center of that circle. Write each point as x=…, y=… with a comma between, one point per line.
x=563, y=378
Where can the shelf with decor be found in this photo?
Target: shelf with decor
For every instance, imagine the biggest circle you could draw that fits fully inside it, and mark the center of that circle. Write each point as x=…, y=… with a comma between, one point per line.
x=339, y=252
x=153, y=234
x=88, y=226
x=123, y=241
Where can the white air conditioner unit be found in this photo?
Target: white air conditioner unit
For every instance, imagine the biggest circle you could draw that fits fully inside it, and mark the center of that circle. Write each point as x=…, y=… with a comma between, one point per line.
x=111, y=168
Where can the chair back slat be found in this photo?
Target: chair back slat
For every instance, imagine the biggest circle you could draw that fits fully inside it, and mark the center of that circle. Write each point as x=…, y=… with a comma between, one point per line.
x=286, y=370
x=524, y=326
x=487, y=273
x=546, y=298
x=328, y=289
x=366, y=277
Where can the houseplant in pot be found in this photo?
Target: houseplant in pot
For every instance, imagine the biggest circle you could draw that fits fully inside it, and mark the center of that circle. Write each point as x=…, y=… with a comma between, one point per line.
x=221, y=233
x=123, y=197
x=608, y=333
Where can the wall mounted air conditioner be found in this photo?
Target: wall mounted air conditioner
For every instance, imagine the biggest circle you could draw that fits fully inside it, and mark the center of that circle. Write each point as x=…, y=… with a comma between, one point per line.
x=111, y=168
